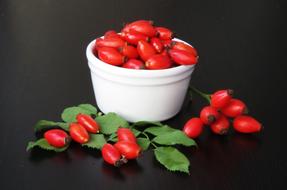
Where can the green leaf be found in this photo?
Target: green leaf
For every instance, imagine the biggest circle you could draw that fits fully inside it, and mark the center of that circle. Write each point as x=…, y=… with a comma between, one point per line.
x=43, y=144
x=143, y=143
x=135, y=132
x=45, y=124
x=92, y=109
x=175, y=137
x=160, y=130
x=69, y=114
x=96, y=141
x=146, y=123
x=172, y=159
x=111, y=122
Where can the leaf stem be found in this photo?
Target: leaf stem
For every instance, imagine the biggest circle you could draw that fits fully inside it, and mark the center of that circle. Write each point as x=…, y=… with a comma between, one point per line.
x=145, y=135
x=154, y=145
x=204, y=95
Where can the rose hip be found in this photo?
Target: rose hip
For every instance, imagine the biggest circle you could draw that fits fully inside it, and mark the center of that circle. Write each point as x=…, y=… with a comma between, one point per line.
x=129, y=51
x=125, y=134
x=157, y=44
x=220, y=126
x=164, y=33
x=221, y=98
x=209, y=115
x=182, y=57
x=111, y=34
x=183, y=46
x=142, y=26
x=57, y=138
x=134, y=37
x=166, y=43
x=246, y=124
x=79, y=133
x=113, y=42
x=134, y=64
x=234, y=108
x=145, y=50
x=88, y=122
x=129, y=150
x=193, y=127
x=111, y=155
x=111, y=56
x=158, y=62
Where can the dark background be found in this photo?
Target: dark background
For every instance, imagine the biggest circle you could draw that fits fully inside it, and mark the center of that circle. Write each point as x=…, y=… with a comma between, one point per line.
x=43, y=69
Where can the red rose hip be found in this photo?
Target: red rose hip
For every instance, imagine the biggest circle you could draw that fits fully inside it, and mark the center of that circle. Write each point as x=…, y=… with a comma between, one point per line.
x=134, y=37
x=129, y=150
x=164, y=33
x=57, y=138
x=209, y=115
x=234, y=108
x=145, y=50
x=129, y=51
x=246, y=124
x=157, y=44
x=220, y=126
x=114, y=42
x=89, y=123
x=193, y=127
x=111, y=155
x=125, y=134
x=182, y=57
x=79, y=133
x=134, y=64
x=221, y=98
x=183, y=46
x=111, y=56
x=158, y=62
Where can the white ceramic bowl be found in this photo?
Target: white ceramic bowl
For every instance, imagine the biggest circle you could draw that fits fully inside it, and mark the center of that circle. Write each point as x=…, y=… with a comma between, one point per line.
x=150, y=95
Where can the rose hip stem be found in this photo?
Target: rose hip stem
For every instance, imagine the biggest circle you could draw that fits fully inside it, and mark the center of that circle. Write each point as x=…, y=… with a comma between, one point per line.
x=204, y=95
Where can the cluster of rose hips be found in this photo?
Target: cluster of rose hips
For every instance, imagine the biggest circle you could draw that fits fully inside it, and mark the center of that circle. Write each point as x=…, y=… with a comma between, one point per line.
x=216, y=115
x=126, y=148
x=78, y=131
x=140, y=45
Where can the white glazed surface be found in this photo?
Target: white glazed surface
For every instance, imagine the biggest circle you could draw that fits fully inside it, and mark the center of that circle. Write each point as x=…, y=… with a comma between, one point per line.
x=150, y=95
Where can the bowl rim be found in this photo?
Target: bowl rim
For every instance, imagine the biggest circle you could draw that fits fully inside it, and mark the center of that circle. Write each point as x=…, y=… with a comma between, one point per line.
x=95, y=63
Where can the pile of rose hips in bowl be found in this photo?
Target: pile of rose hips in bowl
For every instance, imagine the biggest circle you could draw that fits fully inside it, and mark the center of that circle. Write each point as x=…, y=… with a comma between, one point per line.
x=141, y=45
x=125, y=148
x=218, y=114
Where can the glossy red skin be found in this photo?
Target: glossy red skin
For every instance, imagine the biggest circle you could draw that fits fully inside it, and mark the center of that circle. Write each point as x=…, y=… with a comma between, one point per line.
x=193, y=127
x=111, y=34
x=113, y=42
x=182, y=57
x=183, y=46
x=234, y=108
x=158, y=61
x=129, y=51
x=220, y=126
x=134, y=64
x=88, y=122
x=79, y=133
x=209, y=115
x=110, y=154
x=128, y=149
x=164, y=52
x=143, y=27
x=166, y=43
x=246, y=124
x=164, y=33
x=134, y=37
x=221, y=98
x=125, y=134
x=111, y=56
x=145, y=50
x=57, y=138
x=157, y=44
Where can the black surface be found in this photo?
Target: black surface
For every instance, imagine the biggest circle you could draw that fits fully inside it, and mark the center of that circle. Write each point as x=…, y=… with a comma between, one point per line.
x=43, y=69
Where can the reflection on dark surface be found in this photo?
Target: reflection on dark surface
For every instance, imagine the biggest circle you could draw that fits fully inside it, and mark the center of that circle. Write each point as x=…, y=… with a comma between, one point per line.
x=38, y=155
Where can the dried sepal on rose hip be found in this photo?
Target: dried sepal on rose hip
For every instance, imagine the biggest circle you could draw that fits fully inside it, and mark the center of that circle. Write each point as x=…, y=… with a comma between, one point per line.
x=209, y=114
x=220, y=126
x=57, y=138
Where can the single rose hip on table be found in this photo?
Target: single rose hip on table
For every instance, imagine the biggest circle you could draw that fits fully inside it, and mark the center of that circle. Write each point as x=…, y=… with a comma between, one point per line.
x=129, y=150
x=234, y=108
x=125, y=134
x=221, y=98
x=111, y=56
x=112, y=155
x=88, y=122
x=57, y=138
x=79, y=133
x=246, y=124
x=208, y=115
x=220, y=126
x=158, y=62
x=193, y=127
